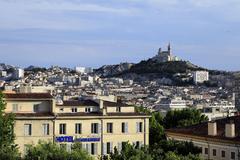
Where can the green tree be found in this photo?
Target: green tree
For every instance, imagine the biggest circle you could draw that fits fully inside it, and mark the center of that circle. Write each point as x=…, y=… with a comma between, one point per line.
x=156, y=130
x=183, y=118
x=8, y=150
x=130, y=152
x=52, y=151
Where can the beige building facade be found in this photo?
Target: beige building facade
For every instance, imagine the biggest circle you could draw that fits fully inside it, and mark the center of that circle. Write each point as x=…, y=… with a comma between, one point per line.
x=98, y=126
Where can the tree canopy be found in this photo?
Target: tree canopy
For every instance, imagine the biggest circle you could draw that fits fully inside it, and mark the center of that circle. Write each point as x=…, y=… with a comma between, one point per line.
x=8, y=150
x=183, y=118
x=52, y=151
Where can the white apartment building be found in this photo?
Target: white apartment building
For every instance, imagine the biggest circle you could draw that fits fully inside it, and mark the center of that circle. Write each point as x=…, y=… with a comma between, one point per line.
x=200, y=76
x=219, y=110
x=83, y=69
x=168, y=104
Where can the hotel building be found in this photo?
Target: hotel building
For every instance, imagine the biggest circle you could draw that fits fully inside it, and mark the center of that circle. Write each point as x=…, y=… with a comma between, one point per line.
x=98, y=126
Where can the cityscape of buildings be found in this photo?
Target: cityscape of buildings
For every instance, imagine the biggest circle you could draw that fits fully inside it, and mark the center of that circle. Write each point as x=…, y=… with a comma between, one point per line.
x=66, y=105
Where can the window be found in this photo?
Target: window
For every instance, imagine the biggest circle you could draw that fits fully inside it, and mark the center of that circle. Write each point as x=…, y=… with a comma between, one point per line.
x=206, y=151
x=118, y=109
x=14, y=107
x=93, y=148
x=74, y=110
x=27, y=129
x=25, y=149
x=124, y=127
x=223, y=154
x=94, y=128
x=78, y=128
x=36, y=108
x=88, y=110
x=139, y=127
x=45, y=129
x=109, y=127
x=233, y=155
x=109, y=147
x=61, y=109
x=137, y=144
x=214, y=152
x=62, y=128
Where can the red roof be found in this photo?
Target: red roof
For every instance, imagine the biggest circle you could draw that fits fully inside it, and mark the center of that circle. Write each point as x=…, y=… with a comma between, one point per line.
x=28, y=95
x=201, y=130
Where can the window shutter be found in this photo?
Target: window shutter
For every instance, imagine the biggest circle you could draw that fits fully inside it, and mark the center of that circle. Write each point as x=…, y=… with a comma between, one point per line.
x=84, y=146
x=92, y=128
x=134, y=144
x=104, y=148
x=43, y=129
x=126, y=127
x=69, y=147
x=88, y=147
x=119, y=146
x=140, y=144
x=98, y=128
x=137, y=127
x=95, y=148
x=111, y=146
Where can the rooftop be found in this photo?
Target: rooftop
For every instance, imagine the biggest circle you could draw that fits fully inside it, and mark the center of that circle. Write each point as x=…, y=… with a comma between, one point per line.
x=28, y=95
x=79, y=103
x=201, y=130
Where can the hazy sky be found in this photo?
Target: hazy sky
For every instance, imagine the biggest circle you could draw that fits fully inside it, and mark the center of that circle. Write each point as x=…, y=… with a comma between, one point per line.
x=97, y=32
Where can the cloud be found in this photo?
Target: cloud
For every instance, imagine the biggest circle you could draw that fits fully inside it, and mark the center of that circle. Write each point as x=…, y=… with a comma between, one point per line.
x=59, y=14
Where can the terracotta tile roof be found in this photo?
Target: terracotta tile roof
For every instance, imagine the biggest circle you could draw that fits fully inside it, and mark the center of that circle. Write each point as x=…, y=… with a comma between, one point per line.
x=114, y=104
x=99, y=114
x=79, y=103
x=201, y=130
x=79, y=114
x=28, y=95
x=34, y=115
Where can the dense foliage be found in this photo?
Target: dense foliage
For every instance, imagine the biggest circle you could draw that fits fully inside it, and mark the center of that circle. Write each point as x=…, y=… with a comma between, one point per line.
x=183, y=118
x=165, y=68
x=129, y=152
x=52, y=151
x=162, y=149
x=8, y=150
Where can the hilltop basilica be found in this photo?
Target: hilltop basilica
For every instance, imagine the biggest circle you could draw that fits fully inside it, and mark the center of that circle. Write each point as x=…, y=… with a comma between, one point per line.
x=165, y=56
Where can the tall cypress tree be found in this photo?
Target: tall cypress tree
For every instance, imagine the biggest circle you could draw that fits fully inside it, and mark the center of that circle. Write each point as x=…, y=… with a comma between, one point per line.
x=8, y=150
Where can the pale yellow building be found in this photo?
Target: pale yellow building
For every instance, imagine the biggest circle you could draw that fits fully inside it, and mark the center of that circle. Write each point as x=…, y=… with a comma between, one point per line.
x=98, y=126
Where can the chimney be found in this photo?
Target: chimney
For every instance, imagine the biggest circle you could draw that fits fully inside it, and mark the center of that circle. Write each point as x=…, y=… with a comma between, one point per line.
x=101, y=104
x=212, y=128
x=104, y=111
x=230, y=129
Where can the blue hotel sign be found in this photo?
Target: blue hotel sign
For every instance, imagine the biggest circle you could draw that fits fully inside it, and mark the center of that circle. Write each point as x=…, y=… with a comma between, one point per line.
x=70, y=139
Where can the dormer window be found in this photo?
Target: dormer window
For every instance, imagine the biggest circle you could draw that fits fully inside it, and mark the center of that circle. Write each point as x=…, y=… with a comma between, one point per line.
x=87, y=109
x=36, y=108
x=118, y=109
x=74, y=110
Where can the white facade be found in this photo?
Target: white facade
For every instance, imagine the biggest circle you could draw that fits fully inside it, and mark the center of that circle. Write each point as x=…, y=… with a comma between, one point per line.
x=18, y=73
x=166, y=105
x=216, y=111
x=83, y=69
x=200, y=76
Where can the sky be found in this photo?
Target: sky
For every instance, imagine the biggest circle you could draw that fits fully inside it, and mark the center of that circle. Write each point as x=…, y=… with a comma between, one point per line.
x=93, y=33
